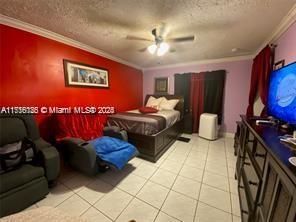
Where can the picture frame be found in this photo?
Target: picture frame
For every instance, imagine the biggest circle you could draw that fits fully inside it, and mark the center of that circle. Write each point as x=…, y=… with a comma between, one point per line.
x=161, y=85
x=83, y=75
x=279, y=64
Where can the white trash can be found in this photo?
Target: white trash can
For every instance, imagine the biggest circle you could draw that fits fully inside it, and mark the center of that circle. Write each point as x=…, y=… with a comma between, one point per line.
x=208, y=126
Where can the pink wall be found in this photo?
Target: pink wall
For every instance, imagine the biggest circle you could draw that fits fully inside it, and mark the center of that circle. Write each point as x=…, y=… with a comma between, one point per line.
x=286, y=46
x=236, y=87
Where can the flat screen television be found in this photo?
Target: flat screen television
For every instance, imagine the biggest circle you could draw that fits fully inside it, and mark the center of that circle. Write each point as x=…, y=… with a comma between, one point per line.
x=282, y=94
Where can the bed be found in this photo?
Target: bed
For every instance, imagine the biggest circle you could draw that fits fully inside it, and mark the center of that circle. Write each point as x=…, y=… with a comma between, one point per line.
x=152, y=134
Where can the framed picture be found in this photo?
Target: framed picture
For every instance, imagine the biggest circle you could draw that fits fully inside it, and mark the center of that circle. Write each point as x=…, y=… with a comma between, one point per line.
x=161, y=85
x=279, y=64
x=83, y=75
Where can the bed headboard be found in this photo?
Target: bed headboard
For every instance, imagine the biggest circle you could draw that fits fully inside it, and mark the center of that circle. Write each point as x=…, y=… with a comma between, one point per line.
x=179, y=106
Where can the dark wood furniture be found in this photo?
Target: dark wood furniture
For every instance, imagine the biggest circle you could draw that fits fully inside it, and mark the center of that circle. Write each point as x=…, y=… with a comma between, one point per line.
x=151, y=147
x=266, y=179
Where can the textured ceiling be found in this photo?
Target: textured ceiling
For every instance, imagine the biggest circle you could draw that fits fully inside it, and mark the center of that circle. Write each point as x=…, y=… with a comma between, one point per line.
x=219, y=25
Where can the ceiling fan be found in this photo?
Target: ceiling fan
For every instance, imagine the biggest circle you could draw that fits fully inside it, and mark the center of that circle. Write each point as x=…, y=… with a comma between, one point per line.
x=160, y=44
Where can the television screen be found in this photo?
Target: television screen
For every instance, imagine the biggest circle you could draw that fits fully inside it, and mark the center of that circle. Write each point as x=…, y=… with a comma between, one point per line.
x=282, y=94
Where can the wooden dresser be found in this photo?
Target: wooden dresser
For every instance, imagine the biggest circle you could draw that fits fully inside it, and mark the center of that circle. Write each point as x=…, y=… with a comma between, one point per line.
x=266, y=178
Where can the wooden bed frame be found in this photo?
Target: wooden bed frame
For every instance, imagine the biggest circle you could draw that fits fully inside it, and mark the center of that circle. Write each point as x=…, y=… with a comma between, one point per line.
x=152, y=147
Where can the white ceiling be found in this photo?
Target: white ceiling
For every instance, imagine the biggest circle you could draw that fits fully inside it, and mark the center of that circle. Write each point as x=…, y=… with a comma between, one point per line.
x=219, y=25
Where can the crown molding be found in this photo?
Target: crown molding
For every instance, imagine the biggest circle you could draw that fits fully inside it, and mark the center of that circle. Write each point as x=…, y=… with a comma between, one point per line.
x=286, y=22
x=5, y=20
x=201, y=62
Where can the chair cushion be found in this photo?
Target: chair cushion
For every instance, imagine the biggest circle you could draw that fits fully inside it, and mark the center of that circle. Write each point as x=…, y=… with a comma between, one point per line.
x=20, y=176
x=12, y=130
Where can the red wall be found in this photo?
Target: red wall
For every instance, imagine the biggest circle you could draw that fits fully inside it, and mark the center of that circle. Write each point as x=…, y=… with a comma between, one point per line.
x=31, y=74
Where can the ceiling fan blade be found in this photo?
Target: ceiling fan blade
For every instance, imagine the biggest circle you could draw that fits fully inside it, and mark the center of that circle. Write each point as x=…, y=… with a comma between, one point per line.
x=181, y=39
x=143, y=49
x=131, y=37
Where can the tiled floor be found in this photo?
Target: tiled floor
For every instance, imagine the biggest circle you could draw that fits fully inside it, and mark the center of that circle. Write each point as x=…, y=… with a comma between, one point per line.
x=191, y=182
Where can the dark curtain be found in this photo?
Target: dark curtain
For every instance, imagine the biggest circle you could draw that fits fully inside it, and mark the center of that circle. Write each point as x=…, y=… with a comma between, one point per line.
x=182, y=88
x=261, y=69
x=196, y=98
x=214, y=93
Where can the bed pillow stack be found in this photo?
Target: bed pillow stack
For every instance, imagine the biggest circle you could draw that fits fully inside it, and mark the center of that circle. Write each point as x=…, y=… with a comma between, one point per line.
x=154, y=103
x=170, y=104
x=162, y=103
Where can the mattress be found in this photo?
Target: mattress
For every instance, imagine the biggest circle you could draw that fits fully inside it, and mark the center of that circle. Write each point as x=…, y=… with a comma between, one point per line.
x=145, y=124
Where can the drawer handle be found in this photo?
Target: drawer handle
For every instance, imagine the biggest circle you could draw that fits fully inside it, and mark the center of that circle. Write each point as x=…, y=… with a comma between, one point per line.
x=247, y=163
x=259, y=155
x=253, y=183
x=245, y=212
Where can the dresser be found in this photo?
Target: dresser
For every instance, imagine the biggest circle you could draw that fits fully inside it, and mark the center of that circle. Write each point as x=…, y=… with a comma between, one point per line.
x=266, y=178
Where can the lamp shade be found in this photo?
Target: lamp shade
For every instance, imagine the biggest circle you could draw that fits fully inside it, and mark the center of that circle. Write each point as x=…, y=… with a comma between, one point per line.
x=152, y=48
x=163, y=48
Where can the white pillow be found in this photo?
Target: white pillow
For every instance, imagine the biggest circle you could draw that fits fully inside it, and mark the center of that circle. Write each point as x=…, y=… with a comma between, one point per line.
x=168, y=104
x=153, y=102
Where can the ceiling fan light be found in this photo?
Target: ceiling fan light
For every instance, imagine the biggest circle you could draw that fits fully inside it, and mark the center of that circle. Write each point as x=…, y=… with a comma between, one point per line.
x=163, y=48
x=152, y=49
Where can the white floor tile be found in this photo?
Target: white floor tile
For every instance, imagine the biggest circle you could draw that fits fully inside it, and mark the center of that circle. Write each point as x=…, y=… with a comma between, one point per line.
x=235, y=205
x=131, y=184
x=56, y=195
x=198, y=155
x=162, y=217
x=113, y=177
x=231, y=172
x=187, y=187
x=206, y=213
x=139, y=211
x=164, y=177
x=195, y=162
x=145, y=170
x=218, y=169
x=93, y=215
x=216, y=180
x=236, y=219
x=192, y=173
x=196, y=170
x=135, y=161
x=215, y=197
x=200, y=148
x=153, y=194
x=218, y=160
x=175, y=157
x=180, y=206
x=94, y=191
x=233, y=186
x=74, y=205
x=78, y=182
x=113, y=203
x=171, y=166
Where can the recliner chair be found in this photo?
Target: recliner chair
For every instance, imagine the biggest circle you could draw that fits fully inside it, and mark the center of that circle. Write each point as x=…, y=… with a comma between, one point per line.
x=27, y=184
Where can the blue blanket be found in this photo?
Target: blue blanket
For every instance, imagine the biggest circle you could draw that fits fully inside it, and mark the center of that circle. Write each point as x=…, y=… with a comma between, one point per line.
x=114, y=151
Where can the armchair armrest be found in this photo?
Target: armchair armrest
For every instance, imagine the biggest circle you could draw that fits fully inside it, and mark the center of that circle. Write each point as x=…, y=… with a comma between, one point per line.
x=49, y=158
x=80, y=154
